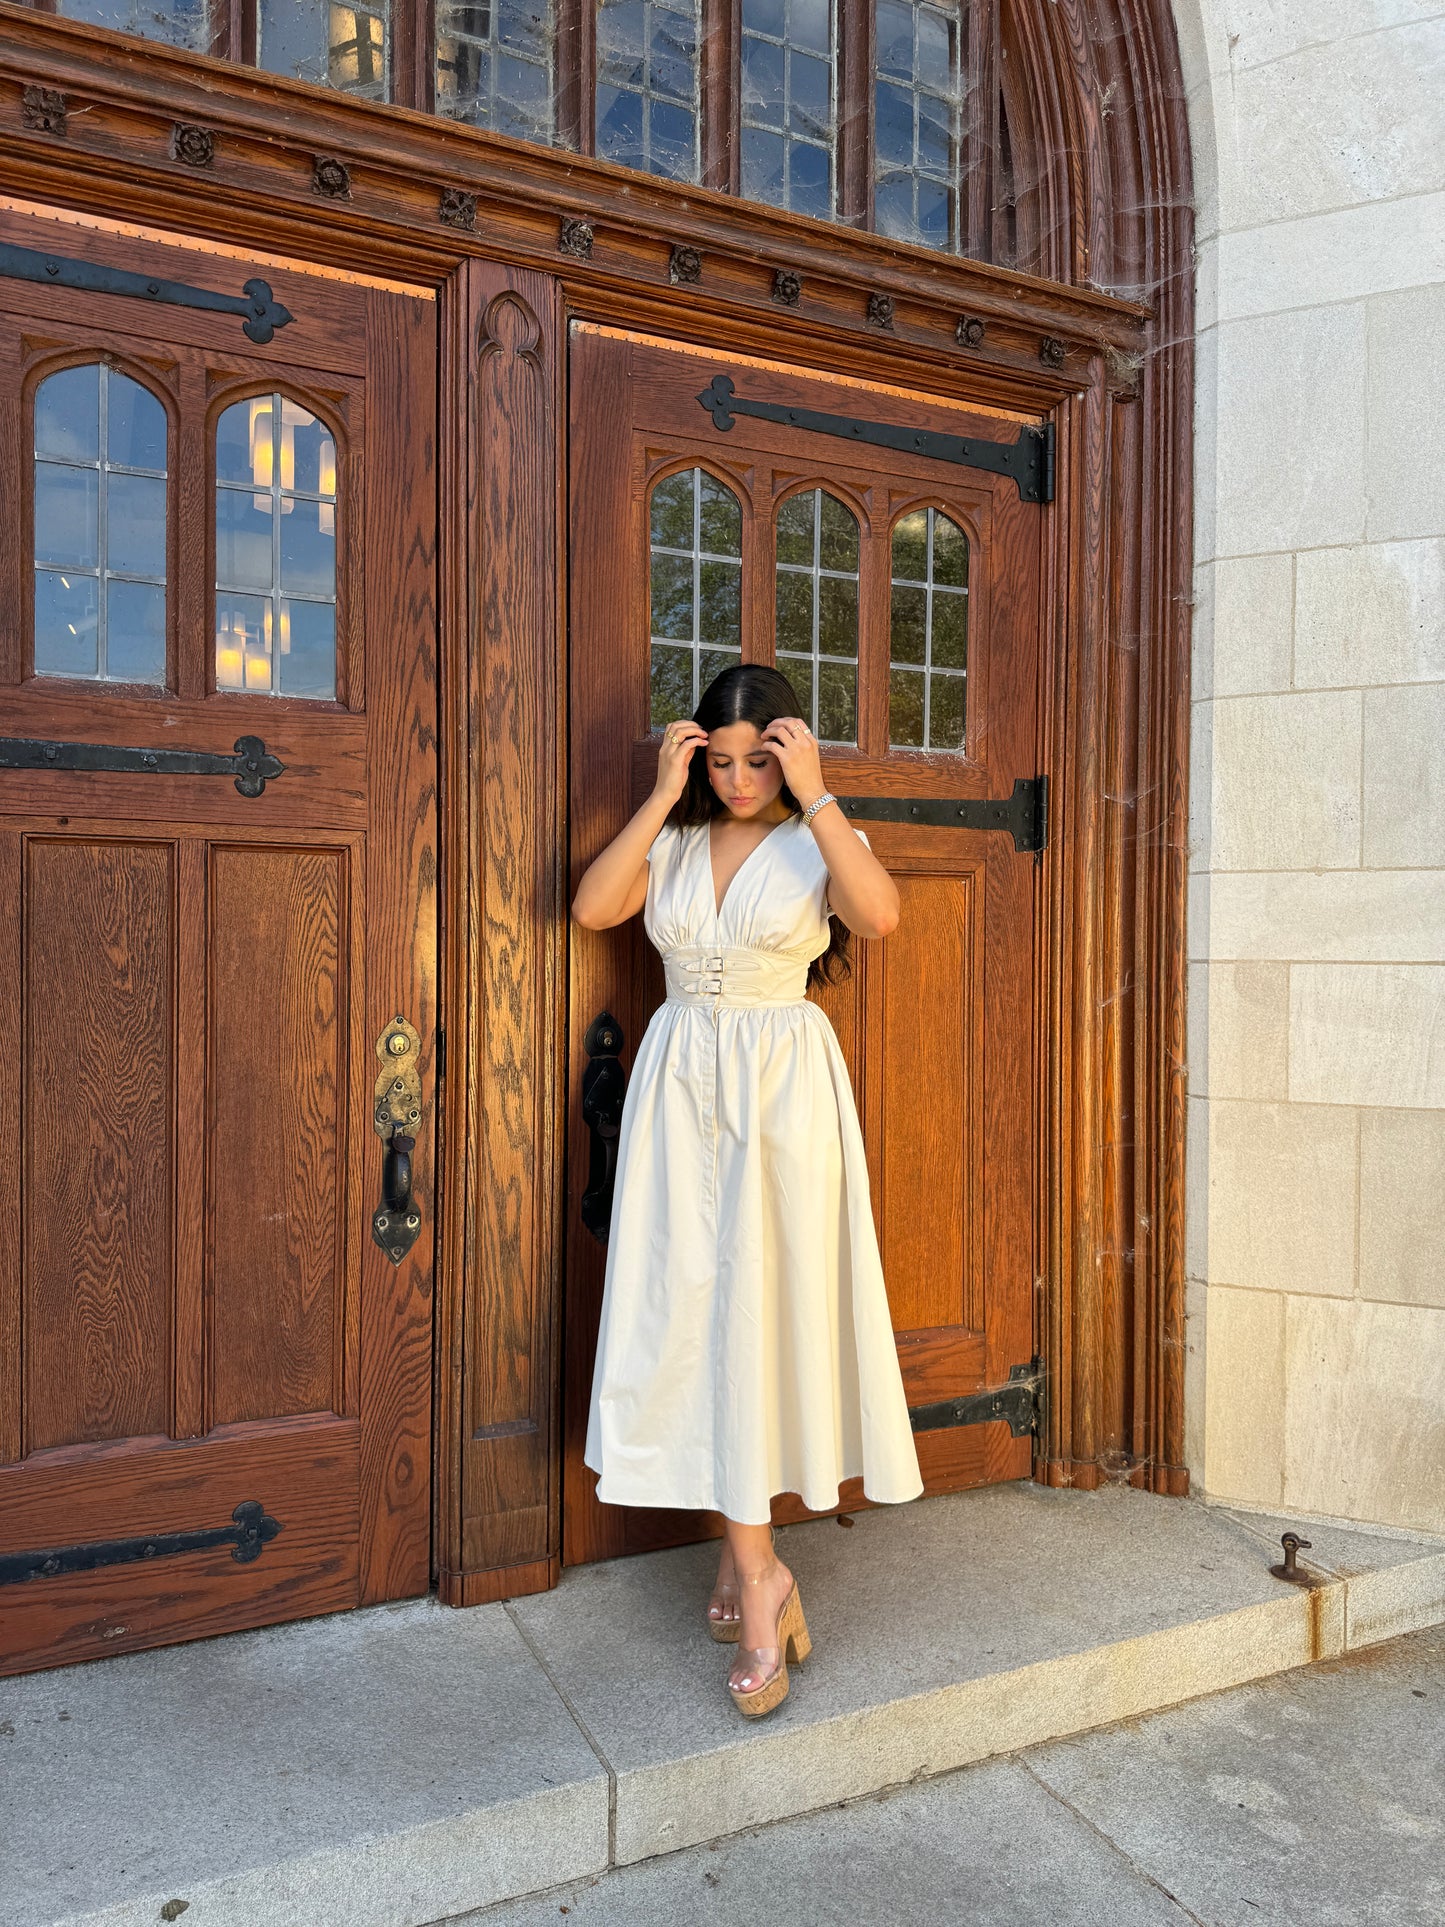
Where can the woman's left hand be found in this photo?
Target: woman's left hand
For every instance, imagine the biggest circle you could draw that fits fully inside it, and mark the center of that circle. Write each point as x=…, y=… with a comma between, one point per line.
x=796, y=748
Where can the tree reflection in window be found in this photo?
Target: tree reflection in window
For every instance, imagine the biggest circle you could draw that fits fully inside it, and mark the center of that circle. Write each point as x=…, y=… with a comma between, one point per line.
x=276, y=499
x=100, y=527
x=696, y=621
x=817, y=610
x=928, y=627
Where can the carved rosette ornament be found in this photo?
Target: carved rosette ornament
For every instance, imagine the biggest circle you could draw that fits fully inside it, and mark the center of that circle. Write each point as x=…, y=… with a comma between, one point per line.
x=575, y=238
x=970, y=331
x=457, y=208
x=42, y=110
x=880, y=310
x=331, y=178
x=191, y=145
x=1051, y=352
x=684, y=265
x=787, y=287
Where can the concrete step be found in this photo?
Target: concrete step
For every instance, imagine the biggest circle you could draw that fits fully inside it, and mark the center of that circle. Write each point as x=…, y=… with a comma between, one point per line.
x=393, y=1767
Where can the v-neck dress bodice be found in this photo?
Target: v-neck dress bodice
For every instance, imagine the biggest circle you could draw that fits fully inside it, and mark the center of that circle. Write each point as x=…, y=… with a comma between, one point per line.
x=745, y=1346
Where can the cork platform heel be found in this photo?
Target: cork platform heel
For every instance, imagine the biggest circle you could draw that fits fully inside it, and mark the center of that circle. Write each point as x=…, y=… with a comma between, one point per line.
x=793, y=1642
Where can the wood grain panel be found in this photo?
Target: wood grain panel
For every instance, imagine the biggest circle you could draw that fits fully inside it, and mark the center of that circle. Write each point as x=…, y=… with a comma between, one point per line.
x=304, y=1473
x=931, y=1041
x=97, y=1107
x=277, y=1020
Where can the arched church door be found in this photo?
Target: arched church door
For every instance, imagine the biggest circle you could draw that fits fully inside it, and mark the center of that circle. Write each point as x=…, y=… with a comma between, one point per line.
x=884, y=548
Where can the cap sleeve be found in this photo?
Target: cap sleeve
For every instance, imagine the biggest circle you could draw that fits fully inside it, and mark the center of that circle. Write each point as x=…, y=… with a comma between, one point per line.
x=858, y=833
x=657, y=849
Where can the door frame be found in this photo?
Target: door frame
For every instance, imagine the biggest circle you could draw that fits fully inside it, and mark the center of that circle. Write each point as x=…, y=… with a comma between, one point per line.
x=516, y=240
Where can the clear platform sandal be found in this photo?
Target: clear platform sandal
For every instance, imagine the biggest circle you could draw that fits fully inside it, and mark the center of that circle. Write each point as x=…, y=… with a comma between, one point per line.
x=793, y=1642
x=727, y=1592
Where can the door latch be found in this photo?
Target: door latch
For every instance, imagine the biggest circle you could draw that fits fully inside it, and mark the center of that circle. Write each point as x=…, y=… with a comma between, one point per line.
x=396, y=1116
x=604, y=1089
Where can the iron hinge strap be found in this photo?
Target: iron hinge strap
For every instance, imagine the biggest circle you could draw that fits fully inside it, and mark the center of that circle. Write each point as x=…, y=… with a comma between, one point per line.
x=251, y=1530
x=261, y=314
x=1016, y=1403
x=1025, y=814
x=250, y=763
x=1027, y=462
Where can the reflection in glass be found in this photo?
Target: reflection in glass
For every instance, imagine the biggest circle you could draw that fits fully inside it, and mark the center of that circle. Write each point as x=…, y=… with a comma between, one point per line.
x=100, y=527
x=787, y=104
x=275, y=549
x=329, y=45
x=695, y=526
x=494, y=65
x=928, y=626
x=817, y=610
x=180, y=23
x=917, y=91
x=647, y=99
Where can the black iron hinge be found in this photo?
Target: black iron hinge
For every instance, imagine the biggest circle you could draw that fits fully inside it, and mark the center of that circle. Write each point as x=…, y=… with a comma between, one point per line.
x=1027, y=462
x=1025, y=814
x=1017, y=1403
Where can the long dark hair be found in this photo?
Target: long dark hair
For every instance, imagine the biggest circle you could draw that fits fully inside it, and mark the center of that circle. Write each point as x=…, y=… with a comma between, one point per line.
x=752, y=693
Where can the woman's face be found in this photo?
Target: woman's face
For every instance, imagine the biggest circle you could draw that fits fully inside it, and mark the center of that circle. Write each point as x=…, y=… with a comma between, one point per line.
x=743, y=769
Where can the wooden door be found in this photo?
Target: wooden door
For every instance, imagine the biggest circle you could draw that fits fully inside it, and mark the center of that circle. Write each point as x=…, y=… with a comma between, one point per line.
x=901, y=592
x=217, y=528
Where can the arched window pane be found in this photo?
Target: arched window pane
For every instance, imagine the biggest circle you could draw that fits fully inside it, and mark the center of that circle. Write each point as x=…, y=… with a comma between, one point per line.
x=817, y=610
x=100, y=527
x=329, y=45
x=916, y=95
x=788, y=111
x=495, y=65
x=928, y=667
x=647, y=86
x=696, y=545
x=276, y=498
x=180, y=23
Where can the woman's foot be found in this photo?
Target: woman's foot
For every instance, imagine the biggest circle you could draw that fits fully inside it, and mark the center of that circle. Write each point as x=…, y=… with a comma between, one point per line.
x=724, y=1606
x=759, y=1655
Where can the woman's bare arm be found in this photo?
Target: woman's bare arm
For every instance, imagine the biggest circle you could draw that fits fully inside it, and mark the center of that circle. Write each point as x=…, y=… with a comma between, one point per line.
x=860, y=890
x=614, y=884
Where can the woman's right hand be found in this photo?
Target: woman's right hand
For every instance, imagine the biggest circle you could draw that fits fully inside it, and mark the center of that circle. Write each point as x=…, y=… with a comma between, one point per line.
x=679, y=741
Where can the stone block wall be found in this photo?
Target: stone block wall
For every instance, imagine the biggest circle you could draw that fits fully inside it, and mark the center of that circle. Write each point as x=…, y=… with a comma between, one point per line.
x=1316, y=1194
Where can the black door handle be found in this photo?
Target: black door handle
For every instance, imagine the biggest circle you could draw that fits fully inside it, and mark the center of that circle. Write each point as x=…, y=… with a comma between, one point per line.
x=604, y=1087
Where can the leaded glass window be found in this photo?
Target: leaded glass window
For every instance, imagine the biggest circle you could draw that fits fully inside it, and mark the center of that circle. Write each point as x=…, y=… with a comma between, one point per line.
x=494, y=65
x=180, y=23
x=916, y=96
x=100, y=527
x=817, y=610
x=276, y=499
x=329, y=45
x=928, y=629
x=647, y=85
x=696, y=623
x=788, y=104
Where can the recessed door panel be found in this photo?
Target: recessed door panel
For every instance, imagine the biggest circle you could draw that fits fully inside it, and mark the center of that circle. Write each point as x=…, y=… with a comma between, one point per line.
x=99, y=924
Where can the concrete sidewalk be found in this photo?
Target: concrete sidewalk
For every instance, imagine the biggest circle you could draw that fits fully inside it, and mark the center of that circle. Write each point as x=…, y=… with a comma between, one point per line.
x=1317, y=1795
x=393, y=1767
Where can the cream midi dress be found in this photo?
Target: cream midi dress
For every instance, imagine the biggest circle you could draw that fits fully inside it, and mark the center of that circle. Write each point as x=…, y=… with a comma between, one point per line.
x=745, y=1345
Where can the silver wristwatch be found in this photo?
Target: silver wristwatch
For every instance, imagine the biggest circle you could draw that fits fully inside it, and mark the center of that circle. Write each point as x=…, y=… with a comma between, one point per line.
x=817, y=804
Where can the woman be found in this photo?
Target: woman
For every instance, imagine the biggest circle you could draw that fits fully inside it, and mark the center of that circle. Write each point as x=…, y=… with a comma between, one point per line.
x=745, y=1345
